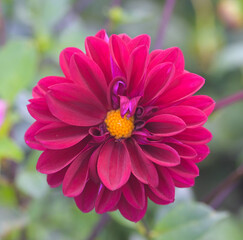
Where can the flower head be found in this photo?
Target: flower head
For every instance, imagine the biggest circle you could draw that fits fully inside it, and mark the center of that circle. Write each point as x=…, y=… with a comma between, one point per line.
x=123, y=125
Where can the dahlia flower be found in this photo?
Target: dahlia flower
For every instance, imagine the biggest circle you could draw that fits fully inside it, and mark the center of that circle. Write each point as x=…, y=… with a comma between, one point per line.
x=121, y=126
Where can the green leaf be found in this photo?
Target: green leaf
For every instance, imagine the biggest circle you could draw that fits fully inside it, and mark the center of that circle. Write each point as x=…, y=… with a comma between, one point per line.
x=9, y=149
x=18, y=63
x=188, y=220
x=10, y=220
x=32, y=183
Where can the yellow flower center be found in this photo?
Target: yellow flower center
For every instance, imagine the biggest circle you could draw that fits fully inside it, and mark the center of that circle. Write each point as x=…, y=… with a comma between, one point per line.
x=117, y=126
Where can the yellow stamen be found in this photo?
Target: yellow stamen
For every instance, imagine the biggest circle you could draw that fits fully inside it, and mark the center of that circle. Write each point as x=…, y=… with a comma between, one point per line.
x=117, y=126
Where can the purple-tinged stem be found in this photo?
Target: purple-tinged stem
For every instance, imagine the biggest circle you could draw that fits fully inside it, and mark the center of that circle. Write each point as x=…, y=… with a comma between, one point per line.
x=2, y=27
x=229, y=100
x=104, y=219
x=217, y=196
x=165, y=18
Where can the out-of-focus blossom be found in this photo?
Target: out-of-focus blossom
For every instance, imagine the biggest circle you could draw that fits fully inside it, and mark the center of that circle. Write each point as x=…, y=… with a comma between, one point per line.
x=3, y=107
x=122, y=125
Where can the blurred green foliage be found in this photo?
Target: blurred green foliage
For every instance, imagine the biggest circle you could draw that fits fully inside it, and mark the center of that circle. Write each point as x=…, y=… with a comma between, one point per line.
x=32, y=34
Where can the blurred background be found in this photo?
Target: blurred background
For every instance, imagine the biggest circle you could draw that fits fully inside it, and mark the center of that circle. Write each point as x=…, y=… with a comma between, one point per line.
x=32, y=34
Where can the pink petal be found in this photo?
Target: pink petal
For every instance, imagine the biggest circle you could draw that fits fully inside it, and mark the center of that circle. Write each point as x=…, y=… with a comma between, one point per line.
x=107, y=200
x=87, y=74
x=141, y=40
x=75, y=105
x=193, y=117
x=3, y=108
x=65, y=58
x=131, y=213
x=55, y=179
x=165, y=125
x=39, y=110
x=166, y=189
x=30, y=136
x=98, y=50
x=102, y=35
x=182, y=182
x=142, y=168
x=128, y=105
x=86, y=200
x=93, y=165
x=125, y=38
x=77, y=174
x=195, y=136
x=136, y=68
x=187, y=169
x=205, y=103
x=119, y=52
x=157, y=81
x=161, y=154
x=134, y=193
x=60, y=135
x=153, y=197
x=180, y=88
x=202, y=152
x=173, y=55
x=183, y=150
x=51, y=161
x=114, y=165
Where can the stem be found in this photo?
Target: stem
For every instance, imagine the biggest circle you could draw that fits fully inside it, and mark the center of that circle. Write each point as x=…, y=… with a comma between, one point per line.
x=229, y=100
x=104, y=219
x=217, y=196
x=165, y=18
x=146, y=228
x=2, y=27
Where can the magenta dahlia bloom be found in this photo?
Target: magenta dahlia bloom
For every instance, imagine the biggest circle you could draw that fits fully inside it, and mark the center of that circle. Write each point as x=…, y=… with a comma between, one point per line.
x=122, y=125
x=3, y=107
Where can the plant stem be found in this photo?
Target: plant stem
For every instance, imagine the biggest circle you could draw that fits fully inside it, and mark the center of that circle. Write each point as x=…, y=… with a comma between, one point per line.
x=165, y=18
x=217, y=196
x=104, y=219
x=2, y=27
x=229, y=100
x=146, y=228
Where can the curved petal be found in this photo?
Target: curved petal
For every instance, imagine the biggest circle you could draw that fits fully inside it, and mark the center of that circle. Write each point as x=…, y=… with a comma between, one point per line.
x=125, y=38
x=51, y=161
x=93, y=165
x=166, y=188
x=55, y=179
x=114, y=165
x=195, y=136
x=183, y=150
x=29, y=136
x=193, y=117
x=102, y=35
x=107, y=200
x=77, y=174
x=202, y=152
x=173, y=55
x=165, y=125
x=119, y=52
x=153, y=197
x=99, y=51
x=131, y=213
x=180, y=88
x=161, y=154
x=187, y=169
x=157, y=81
x=39, y=110
x=65, y=58
x=182, y=182
x=86, y=200
x=75, y=105
x=142, y=168
x=134, y=193
x=141, y=40
x=205, y=103
x=137, y=64
x=87, y=74
x=59, y=135
x=46, y=82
